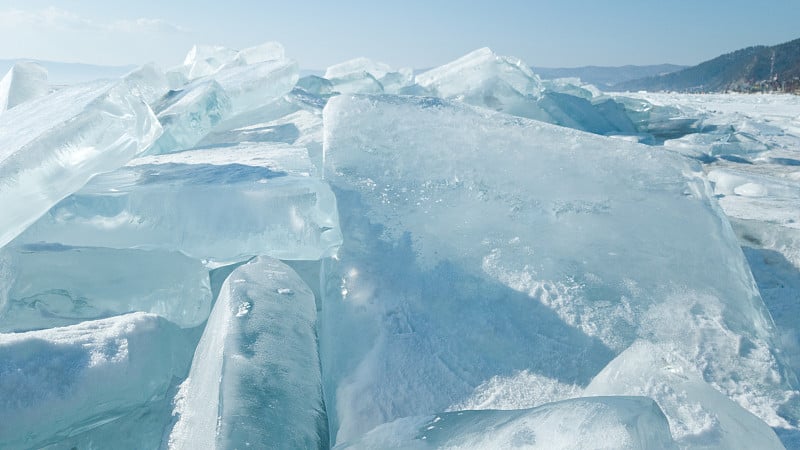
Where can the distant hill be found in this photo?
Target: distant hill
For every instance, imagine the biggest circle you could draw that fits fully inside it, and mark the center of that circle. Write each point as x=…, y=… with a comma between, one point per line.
x=605, y=77
x=70, y=73
x=760, y=68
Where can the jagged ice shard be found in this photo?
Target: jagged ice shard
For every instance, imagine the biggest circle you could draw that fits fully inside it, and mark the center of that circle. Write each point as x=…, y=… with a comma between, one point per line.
x=25, y=81
x=479, y=247
x=224, y=204
x=255, y=379
x=50, y=147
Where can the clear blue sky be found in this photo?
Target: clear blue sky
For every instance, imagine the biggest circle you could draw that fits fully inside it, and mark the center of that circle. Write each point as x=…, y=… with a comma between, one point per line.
x=412, y=33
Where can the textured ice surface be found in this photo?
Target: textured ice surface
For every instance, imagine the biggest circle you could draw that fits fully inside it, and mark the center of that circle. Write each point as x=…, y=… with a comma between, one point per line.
x=48, y=286
x=255, y=379
x=58, y=382
x=479, y=246
x=224, y=203
x=699, y=415
x=51, y=146
x=583, y=423
x=24, y=81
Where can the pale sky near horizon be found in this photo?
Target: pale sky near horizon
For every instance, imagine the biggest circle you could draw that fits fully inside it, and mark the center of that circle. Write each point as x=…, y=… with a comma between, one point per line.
x=413, y=33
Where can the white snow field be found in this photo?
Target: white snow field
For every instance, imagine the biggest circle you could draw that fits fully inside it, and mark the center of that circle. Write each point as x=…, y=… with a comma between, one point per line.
x=225, y=255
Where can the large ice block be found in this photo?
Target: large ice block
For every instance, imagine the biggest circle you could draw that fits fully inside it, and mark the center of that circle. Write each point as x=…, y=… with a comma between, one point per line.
x=24, y=81
x=700, y=416
x=479, y=246
x=255, y=380
x=189, y=115
x=225, y=204
x=48, y=286
x=58, y=382
x=584, y=423
x=50, y=147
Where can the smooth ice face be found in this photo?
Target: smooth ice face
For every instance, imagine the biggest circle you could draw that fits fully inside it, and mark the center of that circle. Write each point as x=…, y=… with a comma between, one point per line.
x=479, y=246
x=49, y=286
x=25, y=81
x=50, y=147
x=225, y=204
x=255, y=378
x=699, y=415
x=58, y=382
x=471, y=72
x=190, y=114
x=586, y=423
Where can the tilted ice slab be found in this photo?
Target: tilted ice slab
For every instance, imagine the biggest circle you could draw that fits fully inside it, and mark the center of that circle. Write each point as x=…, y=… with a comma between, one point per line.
x=23, y=82
x=49, y=286
x=52, y=146
x=254, y=85
x=585, y=423
x=255, y=379
x=204, y=60
x=61, y=381
x=470, y=73
x=479, y=246
x=699, y=415
x=225, y=204
x=190, y=113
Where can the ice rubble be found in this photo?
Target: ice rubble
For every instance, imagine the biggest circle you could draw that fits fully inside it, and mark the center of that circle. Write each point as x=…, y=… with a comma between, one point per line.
x=58, y=382
x=255, y=379
x=487, y=262
x=412, y=174
x=53, y=285
x=253, y=198
x=587, y=423
x=51, y=146
x=24, y=81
